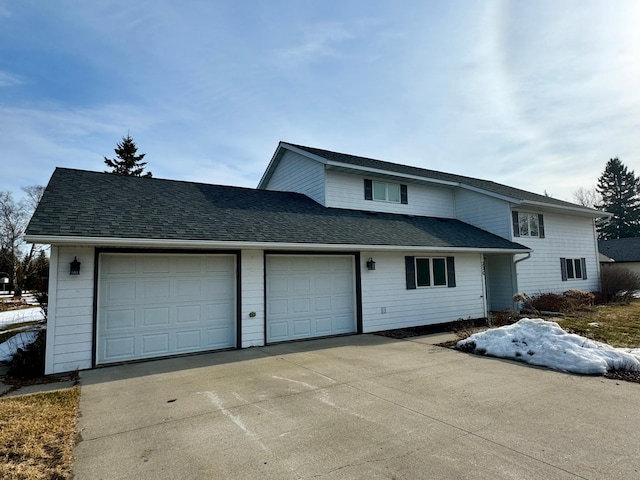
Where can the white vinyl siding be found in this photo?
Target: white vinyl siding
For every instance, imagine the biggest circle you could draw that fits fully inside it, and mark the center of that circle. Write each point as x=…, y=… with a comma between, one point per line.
x=566, y=236
x=296, y=173
x=384, y=290
x=252, y=280
x=346, y=190
x=485, y=212
x=70, y=318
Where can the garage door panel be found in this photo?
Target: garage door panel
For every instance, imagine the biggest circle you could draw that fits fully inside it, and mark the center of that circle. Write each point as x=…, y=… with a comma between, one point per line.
x=119, y=266
x=119, y=319
x=301, y=328
x=305, y=294
x=343, y=323
x=278, y=307
x=155, y=290
x=117, y=348
x=190, y=308
x=154, y=317
x=188, y=314
x=186, y=340
x=218, y=337
x=324, y=326
x=155, y=344
x=278, y=330
x=121, y=292
x=154, y=264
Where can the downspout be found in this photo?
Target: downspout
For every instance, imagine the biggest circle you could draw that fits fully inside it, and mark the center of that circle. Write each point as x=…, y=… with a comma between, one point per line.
x=514, y=284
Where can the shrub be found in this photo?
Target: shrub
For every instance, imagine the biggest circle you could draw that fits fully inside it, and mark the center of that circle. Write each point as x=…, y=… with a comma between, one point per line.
x=617, y=285
x=569, y=301
x=29, y=362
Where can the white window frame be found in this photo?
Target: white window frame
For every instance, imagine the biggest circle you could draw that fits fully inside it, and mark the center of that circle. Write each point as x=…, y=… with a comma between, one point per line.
x=431, y=272
x=386, y=192
x=531, y=218
x=576, y=264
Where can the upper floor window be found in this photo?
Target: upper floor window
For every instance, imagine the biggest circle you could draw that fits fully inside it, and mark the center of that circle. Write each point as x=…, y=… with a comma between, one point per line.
x=528, y=224
x=385, y=192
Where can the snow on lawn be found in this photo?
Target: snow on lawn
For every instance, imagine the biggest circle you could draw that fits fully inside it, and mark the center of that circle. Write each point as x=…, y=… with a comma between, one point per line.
x=20, y=316
x=10, y=347
x=539, y=342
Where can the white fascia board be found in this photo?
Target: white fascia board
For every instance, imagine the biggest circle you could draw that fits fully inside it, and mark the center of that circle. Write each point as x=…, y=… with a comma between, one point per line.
x=391, y=173
x=204, y=244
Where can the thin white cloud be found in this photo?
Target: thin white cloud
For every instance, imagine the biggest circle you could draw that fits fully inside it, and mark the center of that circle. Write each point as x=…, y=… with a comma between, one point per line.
x=9, y=80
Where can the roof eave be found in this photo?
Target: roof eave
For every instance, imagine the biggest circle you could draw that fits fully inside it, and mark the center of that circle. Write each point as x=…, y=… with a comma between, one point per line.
x=209, y=244
x=277, y=156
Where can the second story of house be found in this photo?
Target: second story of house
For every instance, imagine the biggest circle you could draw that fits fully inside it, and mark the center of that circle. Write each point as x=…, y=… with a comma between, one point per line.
x=337, y=180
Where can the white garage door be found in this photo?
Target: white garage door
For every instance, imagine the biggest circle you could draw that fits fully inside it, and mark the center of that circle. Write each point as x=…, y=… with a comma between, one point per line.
x=309, y=296
x=157, y=305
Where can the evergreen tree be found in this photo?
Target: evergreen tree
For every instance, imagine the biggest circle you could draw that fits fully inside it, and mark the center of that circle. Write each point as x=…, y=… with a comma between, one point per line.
x=620, y=193
x=127, y=163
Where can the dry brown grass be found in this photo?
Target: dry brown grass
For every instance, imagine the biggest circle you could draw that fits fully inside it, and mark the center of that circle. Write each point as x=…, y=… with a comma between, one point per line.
x=617, y=325
x=37, y=435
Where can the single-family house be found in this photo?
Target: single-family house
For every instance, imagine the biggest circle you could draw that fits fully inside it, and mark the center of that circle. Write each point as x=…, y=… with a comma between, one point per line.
x=620, y=253
x=328, y=244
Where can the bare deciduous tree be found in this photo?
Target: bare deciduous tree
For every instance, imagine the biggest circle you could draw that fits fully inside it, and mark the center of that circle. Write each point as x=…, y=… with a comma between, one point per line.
x=587, y=197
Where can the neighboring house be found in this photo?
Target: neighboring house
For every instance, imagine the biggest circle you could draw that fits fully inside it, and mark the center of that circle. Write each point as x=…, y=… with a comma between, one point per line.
x=620, y=253
x=328, y=244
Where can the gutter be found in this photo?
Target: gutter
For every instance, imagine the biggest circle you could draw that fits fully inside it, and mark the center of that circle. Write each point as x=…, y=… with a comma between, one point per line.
x=195, y=244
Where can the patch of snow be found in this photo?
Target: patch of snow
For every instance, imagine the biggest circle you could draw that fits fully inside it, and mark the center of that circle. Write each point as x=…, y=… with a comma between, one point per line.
x=594, y=324
x=540, y=342
x=10, y=347
x=19, y=316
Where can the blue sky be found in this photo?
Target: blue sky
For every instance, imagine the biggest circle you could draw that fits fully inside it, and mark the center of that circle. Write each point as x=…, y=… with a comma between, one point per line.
x=534, y=94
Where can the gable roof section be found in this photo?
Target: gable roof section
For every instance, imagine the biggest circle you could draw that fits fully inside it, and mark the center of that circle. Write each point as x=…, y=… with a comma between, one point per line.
x=621, y=249
x=104, y=209
x=484, y=186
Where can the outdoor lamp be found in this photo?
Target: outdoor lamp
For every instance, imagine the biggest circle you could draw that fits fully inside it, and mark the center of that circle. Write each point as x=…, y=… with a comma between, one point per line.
x=371, y=265
x=75, y=267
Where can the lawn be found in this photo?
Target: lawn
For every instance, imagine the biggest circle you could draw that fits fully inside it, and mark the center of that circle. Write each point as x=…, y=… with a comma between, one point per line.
x=617, y=325
x=37, y=435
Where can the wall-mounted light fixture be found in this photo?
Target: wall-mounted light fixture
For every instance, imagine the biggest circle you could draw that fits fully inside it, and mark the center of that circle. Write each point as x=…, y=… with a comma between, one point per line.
x=74, y=267
x=371, y=265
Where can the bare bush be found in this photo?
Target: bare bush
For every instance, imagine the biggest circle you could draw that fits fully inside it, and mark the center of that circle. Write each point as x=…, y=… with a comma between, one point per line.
x=617, y=285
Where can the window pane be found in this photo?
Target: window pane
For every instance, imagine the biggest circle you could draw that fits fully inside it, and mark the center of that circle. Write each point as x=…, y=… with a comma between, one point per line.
x=570, y=273
x=379, y=191
x=393, y=191
x=439, y=271
x=578, y=265
x=534, y=229
x=422, y=272
x=524, y=224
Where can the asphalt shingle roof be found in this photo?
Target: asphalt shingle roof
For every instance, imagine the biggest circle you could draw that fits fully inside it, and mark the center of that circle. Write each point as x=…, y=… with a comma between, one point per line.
x=621, y=249
x=487, y=185
x=92, y=204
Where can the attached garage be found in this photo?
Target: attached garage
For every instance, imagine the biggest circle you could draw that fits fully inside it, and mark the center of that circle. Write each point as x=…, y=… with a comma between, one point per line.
x=310, y=296
x=155, y=305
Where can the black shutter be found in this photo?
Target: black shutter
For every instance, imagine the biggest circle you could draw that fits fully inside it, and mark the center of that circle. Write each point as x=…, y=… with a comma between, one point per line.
x=583, y=261
x=451, y=272
x=368, y=189
x=563, y=269
x=410, y=268
x=541, y=225
x=403, y=194
x=516, y=224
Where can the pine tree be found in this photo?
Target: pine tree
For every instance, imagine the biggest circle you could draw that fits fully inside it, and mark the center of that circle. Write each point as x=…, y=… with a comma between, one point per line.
x=620, y=193
x=129, y=163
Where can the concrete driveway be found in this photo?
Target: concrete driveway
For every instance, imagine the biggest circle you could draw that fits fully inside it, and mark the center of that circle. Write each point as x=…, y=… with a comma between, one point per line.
x=354, y=407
